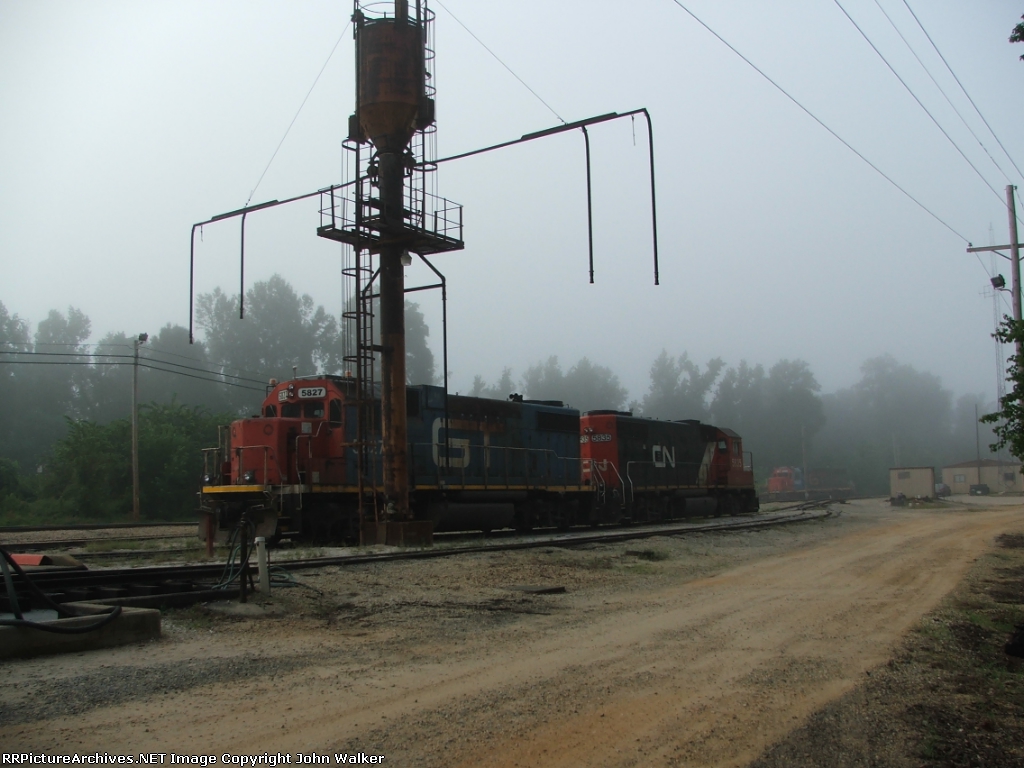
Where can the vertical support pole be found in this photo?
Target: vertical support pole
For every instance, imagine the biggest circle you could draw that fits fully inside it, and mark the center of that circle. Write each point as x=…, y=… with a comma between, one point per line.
x=654, y=200
x=977, y=438
x=191, y=283
x=241, y=275
x=590, y=209
x=1015, y=263
x=135, y=427
x=243, y=570
x=394, y=424
x=444, y=354
x=263, y=564
x=803, y=455
x=209, y=535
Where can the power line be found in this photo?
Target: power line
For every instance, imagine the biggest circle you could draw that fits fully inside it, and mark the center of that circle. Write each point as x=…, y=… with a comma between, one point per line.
x=943, y=92
x=150, y=351
x=141, y=365
x=994, y=135
x=288, y=129
x=919, y=102
x=819, y=121
x=102, y=356
x=498, y=59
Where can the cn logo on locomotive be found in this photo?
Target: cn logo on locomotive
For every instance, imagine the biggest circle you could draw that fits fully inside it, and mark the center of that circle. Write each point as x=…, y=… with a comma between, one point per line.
x=662, y=455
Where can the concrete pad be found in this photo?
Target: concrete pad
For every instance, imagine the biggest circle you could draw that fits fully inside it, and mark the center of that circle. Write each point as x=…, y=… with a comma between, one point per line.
x=134, y=625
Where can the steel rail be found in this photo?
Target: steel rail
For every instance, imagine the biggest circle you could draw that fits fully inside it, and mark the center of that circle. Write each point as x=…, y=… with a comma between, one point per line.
x=54, y=579
x=17, y=546
x=88, y=526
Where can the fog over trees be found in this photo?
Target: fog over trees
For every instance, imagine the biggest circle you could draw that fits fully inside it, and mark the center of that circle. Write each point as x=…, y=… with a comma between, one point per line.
x=64, y=430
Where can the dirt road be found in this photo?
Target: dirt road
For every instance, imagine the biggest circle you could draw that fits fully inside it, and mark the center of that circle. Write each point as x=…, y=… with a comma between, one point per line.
x=658, y=662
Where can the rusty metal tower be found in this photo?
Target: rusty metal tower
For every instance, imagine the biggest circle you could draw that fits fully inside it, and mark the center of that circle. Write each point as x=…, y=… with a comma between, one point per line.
x=387, y=213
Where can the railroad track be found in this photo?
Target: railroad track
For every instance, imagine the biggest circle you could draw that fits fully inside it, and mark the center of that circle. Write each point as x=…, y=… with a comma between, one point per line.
x=33, y=546
x=90, y=527
x=202, y=577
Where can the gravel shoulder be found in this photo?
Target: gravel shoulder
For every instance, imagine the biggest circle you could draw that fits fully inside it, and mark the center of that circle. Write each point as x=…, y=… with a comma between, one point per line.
x=708, y=649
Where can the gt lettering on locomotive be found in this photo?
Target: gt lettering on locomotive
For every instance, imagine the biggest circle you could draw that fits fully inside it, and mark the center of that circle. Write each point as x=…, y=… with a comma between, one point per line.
x=450, y=459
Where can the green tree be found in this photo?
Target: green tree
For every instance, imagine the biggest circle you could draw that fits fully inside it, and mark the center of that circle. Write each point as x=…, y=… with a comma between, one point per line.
x=894, y=416
x=1009, y=419
x=90, y=470
x=110, y=389
x=501, y=389
x=1017, y=36
x=778, y=414
x=419, y=360
x=181, y=372
x=14, y=338
x=50, y=385
x=281, y=331
x=586, y=386
x=679, y=389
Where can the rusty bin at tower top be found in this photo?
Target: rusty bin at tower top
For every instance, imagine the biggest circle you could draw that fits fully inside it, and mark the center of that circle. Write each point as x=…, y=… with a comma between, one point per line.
x=391, y=101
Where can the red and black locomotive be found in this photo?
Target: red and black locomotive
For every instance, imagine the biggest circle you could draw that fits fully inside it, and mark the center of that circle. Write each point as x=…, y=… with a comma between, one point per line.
x=474, y=464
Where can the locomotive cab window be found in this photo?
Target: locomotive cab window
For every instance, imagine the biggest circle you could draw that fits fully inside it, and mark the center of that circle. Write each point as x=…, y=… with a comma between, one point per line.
x=270, y=411
x=735, y=447
x=334, y=411
x=723, y=446
x=291, y=410
x=313, y=409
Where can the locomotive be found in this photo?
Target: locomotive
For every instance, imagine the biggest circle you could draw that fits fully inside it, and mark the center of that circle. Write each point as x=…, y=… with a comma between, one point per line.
x=790, y=484
x=301, y=467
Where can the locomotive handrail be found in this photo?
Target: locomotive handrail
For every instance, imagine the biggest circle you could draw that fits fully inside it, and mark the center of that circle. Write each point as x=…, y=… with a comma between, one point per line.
x=309, y=436
x=632, y=493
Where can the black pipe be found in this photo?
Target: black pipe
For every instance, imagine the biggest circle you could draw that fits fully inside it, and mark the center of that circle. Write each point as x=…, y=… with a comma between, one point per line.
x=590, y=208
x=192, y=282
x=654, y=205
x=444, y=355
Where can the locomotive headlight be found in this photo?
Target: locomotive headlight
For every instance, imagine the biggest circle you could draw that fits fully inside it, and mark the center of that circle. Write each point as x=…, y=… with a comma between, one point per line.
x=207, y=479
x=249, y=477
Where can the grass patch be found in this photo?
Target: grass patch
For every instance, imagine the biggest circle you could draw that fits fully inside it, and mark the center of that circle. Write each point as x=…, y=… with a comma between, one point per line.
x=650, y=555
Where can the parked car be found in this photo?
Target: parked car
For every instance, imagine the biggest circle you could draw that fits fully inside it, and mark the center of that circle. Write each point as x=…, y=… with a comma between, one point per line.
x=980, y=490
x=941, y=489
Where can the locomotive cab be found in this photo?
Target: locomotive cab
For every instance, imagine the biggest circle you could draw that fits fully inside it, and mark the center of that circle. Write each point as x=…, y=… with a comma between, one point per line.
x=298, y=438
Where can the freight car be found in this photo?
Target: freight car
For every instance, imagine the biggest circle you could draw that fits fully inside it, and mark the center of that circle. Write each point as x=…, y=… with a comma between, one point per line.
x=474, y=464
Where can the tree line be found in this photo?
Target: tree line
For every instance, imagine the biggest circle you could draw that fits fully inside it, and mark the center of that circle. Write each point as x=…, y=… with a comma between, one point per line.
x=64, y=430
x=894, y=415
x=65, y=424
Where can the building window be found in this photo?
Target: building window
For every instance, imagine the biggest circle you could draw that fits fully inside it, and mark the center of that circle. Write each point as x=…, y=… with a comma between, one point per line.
x=1008, y=477
x=903, y=475
x=959, y=478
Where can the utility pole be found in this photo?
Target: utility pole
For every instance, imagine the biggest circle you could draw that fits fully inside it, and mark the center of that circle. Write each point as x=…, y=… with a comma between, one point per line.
x=803, y=458
x=1011, y=208
x=1014, y=249
x=977, y=439
x=142, y=338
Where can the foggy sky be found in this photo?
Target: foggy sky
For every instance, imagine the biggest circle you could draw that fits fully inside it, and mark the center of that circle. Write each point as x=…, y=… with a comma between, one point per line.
x=123, y=123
